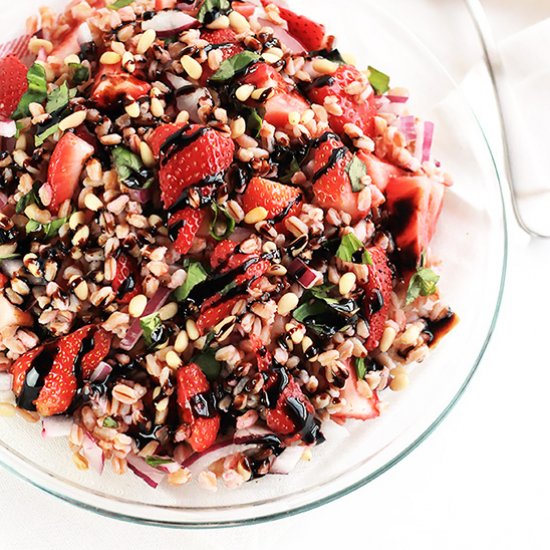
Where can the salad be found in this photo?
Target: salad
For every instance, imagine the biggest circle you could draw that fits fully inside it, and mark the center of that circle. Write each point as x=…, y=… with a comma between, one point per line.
x=214, y=237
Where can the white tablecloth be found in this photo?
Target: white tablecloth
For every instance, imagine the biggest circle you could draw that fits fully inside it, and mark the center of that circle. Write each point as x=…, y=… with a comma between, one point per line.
x=480, y=481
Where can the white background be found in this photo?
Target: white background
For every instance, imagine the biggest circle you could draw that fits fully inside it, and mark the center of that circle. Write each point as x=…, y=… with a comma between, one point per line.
x=481, y=481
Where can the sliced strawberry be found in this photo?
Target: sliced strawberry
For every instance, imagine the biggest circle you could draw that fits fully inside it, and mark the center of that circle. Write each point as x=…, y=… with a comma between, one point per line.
x=100, y=345
x=66, y=164
x=280, y=201
x=285, y=98
x=211, y=316
x=221, y=253
x=244, y=8
x=331, y=183
x=11, y=316
x=356, y=405
x=380, y=172
x=3, y=281
x=13, y=84
x=199, y=152
x=21, y=366
x=112, y=84
x=263, y=355
x=359, y=112
x=414, y=204
x=191, y=381
x=164, y=4
x=226, y=42
x=127, y=280
x=378, y=292
x=188, y=221
x=309, y=33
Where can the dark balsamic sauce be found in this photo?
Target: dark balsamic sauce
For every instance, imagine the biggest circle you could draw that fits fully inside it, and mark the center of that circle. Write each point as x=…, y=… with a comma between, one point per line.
x=376, y=302
x=36, y=377
x=336, y=155
x=278, y=382
x=204, y=405
x=435, y=330
x=127, y=286
x=307, y=425
x=179, y=140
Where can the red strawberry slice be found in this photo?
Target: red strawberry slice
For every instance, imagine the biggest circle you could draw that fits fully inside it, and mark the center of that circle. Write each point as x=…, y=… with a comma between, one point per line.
x=222, y=253
x=414, y=204
x=13, y=84
x=101, y=345
x=360, y=113
x=164, y=4
x=189, y=221
x=211, y=316
x=380, y=172
x=226, y=42
x=67, y=44
x=285, y=99
x=331, y=183
x=357, y=406
x=309, y=33
x=127, y=281
x=112, y=85
x=280, y=201
x=3, y=281
x=21, y=366
x=191, y=381
x=263, y=355
x=244, y=8
x=199, y=152
x=66, y=164
x=377, y=296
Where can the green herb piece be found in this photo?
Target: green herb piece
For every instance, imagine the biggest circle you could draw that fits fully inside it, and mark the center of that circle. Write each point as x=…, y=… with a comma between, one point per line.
x=78, y=73
x=208, y=364
x=349, y=245
x=40, y=138
x=234, y=65
x=229, y=222
x=36, y=92
x=150, y=325
x=130, y=168
x=195, y=274
x=59, y=98
x=360, y=368
x=367, y=258
x=49, y=229
x=157, y=461
x=379, y=81
x=213, y=7
x=422, y=283
x=120, y=4
x=110, y=422
x=322, y=293
x=254, y=123
x=30, y=198
x=356, y=170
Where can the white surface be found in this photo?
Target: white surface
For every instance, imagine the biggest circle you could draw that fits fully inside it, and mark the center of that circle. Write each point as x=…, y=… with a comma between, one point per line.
x=480, y=481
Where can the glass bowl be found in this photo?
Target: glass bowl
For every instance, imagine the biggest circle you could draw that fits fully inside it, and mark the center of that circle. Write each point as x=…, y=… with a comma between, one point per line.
x=471, y=243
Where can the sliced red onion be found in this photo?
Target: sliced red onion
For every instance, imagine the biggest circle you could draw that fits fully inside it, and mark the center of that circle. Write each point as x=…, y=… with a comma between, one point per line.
x=189, y=101
x=143, y=196
x=101, y=372
x=240, y=234
x=6, y=381
x=169, y=22
x=135, y=331
x=407, y=126
x=306, y=276
x=10, y=268
x=250, y=435
x=284, y=37
x=398, y=98
x=287, y=460
x=83, y=34
x=56, y=426
x=3, y=200
x=7, y=128
x=169, y=467
x=427, y=141
x=150, y=475
x=200, y=461
x=93, y=453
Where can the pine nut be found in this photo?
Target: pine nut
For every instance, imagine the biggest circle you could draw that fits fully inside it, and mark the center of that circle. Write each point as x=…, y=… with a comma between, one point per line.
x=399, y=382
x=346, y=283
x=133, y=110
x=182, y=341
x=238, y=127
x=157, y=109
x=36, y=44
x=387, y=339
x=81, y=236
x=6, y=409
x=76, y=219
x=181, y=477
x=137, y=305
x=256, y=215
x=92, y=202
x=324, y=66
x=173, y=360
x=259, y=92
x=287, y=303
x=110, y=58
x=307, y=116
x=192, y=67
x=244, y=92
x=73, y=120
x=168, y=311
x=70, y=59
x=80, y=462
x=221, y=22
x=270, y=58
x=238, y=22
x=294, y=118
x=146, y=154
x=192, y=331
x=145, y=41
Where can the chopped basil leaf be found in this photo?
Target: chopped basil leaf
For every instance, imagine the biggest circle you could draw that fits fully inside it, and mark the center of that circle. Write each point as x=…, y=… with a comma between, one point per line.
x=211, y=9
x=79, y=73
x=360, y=368
x=379, y=81
x=36, y=92
x=232, y=66
x=49, y=229
x=208, y=364
x=59, y=98
x=367, y=258
x=120, y=4
x=157, y=461
x=110, y=422
x=150, y=325
x=254, y=123
x=332, y=55
x=40, y=138
x=349, y=245
x=422, y=283
x=322, y=293
x=130, y=168
x=356, y=170
x=195, y=275
x=229, y=222
x=30, y=198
